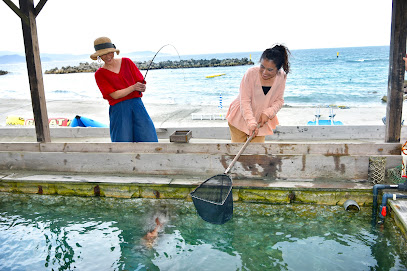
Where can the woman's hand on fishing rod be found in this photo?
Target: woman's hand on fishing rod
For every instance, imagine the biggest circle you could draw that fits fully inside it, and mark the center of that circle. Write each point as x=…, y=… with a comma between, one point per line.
x=126, y=91
x=139, y=87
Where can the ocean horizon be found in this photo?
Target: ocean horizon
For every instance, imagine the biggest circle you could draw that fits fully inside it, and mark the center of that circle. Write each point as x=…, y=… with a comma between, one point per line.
x=351, y=76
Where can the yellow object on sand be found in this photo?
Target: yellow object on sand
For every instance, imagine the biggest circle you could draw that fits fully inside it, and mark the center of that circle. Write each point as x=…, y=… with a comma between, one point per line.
x=14, y=120
x=215, y=75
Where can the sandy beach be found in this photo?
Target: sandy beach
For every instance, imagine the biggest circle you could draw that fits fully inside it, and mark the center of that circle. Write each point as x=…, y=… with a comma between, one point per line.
x=172, y=115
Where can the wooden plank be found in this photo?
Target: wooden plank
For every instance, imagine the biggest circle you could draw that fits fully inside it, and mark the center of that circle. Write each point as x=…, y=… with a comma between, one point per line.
x=270, y=167
x=32, y=53
x=396, y=71
x=368, y=133
x=304, y=148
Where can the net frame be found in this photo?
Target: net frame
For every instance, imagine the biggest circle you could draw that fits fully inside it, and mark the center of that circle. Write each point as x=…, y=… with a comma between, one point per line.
x=214, y=211
x=206, y=185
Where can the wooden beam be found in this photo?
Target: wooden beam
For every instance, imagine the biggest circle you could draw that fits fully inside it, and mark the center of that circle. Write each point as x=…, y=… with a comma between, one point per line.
x=32, y=54
x=395, y=91
x=39, y=7
x=17, y=11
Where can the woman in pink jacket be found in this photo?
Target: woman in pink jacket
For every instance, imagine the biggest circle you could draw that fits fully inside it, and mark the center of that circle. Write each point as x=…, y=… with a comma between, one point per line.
x=260, y=97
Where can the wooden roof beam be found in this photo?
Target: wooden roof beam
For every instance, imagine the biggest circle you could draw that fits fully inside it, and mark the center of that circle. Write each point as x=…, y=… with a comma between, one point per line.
x=39, y=7
x=22, y=16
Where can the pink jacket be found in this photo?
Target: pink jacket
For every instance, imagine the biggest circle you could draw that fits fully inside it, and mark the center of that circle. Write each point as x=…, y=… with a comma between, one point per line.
x=246, y=109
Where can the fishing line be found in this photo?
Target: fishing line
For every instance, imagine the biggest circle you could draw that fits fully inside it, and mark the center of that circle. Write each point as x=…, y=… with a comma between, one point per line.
x=151, y=62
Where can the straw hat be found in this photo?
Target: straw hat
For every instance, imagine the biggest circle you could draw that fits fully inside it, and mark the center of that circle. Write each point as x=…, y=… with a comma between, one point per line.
x=103, y=45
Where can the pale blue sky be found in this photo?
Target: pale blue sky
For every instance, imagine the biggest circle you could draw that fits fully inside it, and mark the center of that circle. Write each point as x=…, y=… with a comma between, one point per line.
x=197, y=27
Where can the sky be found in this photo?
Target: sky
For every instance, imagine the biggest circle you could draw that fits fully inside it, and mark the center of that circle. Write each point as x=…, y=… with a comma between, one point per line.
x=201, y=27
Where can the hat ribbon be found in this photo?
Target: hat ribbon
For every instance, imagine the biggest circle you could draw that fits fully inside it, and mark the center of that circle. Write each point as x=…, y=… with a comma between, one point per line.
x=104, y=46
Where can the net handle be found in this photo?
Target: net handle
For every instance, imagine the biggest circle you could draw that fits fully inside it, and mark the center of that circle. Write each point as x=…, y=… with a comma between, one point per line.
x=241, y=150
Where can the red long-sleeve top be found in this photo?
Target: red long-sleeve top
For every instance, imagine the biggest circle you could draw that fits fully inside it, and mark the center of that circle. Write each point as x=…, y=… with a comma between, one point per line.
x=109, y=82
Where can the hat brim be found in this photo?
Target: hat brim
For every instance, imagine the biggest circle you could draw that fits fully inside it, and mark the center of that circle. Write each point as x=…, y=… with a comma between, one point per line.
x=95, y=55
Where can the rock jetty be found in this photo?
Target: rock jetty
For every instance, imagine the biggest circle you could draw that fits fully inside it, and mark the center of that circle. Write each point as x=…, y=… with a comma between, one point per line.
x=83, y=67
x=3, y=72
x=191, y=63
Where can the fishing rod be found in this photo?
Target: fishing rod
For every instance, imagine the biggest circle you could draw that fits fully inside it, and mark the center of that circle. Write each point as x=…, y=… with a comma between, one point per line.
x=151, y=62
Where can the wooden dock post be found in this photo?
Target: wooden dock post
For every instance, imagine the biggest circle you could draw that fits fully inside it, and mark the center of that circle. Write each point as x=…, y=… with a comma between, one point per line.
x=32, y=54
x=395, y=91
x=28, y=13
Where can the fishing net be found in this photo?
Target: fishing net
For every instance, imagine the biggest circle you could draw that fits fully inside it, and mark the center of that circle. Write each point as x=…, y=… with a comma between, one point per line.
x=213, y=199
x=394, y=174
x=397, y=174
x=377, y=169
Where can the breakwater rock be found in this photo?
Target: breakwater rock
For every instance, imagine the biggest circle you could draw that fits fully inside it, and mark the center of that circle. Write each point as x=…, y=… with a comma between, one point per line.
x=3, y=72
x=191, y=63
x=194, y=63
x=83, y=67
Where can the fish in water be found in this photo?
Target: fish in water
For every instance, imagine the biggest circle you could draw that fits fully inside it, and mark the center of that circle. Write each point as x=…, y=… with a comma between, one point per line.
x=151, y=237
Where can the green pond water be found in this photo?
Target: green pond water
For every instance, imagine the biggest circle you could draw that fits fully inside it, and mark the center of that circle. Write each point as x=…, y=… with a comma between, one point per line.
x=78, y=233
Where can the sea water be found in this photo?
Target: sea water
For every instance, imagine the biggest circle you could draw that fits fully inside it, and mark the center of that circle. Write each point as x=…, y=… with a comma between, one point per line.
x=39, y=232
x=318, y=77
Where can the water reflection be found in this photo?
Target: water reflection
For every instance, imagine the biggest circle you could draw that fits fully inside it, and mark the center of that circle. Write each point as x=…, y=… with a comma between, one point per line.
x=173, y=253
x=325, y=254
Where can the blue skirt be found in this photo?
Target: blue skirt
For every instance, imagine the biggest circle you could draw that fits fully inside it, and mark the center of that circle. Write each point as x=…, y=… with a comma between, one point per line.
x=130, y=122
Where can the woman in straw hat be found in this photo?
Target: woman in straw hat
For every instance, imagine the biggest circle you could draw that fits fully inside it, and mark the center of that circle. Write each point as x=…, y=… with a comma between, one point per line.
x=122, y=85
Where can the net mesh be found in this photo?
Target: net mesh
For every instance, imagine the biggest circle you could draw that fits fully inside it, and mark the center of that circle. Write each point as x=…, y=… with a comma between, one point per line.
x=394, y=175
x=377, y=169
x=213, y=199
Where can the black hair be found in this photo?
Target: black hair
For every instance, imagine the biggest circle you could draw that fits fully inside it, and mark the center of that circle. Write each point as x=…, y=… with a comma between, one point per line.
x=279, y=55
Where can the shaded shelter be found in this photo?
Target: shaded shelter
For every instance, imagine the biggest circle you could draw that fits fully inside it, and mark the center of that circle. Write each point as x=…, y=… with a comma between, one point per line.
x=27, y=12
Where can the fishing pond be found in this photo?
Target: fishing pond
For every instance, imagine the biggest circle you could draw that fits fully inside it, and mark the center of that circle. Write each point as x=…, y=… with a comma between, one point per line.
x=43, y=232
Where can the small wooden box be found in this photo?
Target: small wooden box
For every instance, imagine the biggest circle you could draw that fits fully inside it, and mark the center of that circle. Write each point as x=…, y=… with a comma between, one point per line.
x=181, y=136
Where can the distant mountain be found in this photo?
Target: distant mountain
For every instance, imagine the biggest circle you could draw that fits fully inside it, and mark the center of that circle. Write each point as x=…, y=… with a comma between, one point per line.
x=3, y=53
x=11, y=59
x=67, y=57
x=139, y=54
x=61, y=57
x=143, y=55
